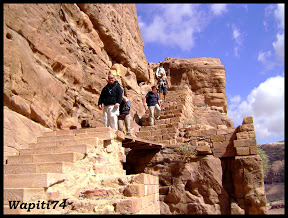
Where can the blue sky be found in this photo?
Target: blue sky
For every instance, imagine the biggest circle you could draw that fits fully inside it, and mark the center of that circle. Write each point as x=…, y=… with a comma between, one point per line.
x=248, y=39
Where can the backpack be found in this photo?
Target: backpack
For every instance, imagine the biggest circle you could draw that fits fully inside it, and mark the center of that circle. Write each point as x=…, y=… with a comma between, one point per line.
x=162, y=82
x=124, y=107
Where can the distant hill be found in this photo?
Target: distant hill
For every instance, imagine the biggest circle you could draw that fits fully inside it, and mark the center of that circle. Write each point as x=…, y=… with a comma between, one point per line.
x=274, y=180
x=275, y=151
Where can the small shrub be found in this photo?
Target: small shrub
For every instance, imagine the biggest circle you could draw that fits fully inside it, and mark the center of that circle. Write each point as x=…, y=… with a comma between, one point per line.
x=265, y=161
x=187, y=151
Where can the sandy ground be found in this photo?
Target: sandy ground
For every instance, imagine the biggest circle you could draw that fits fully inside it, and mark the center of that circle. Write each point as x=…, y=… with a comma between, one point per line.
x=276, y=211
x=275, y=194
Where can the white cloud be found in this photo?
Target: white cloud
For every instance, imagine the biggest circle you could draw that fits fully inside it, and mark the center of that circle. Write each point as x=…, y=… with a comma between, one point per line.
x=279, y=15
x=218, y=9
x=140, y=22
x=264, y=56
x=274, y=16
x=278, y=46
x=234, y=102
x=266, y=104
x=174, y=25
x=238, y=38
x=276, y=57
x=236, y=51
x=235, y=99
x=236, y=35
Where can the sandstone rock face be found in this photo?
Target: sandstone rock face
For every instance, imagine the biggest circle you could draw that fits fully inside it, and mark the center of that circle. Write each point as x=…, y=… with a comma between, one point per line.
x=215, y=171
x=249, y=184
x=57, y=56
x=188, y=185
x=18, y=132
x=118, y=29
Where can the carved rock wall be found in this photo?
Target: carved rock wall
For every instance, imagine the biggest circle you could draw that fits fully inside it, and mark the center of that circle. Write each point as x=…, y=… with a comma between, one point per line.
x=214, y=172
x=204, y=76
x=56, y=60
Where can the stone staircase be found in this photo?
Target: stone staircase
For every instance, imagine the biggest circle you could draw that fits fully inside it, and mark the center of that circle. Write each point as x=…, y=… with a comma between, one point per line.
x=82, y=168
x=174, y=110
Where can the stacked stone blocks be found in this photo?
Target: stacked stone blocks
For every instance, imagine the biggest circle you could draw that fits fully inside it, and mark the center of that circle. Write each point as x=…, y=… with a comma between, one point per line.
x=246, y=144
x=144, y=193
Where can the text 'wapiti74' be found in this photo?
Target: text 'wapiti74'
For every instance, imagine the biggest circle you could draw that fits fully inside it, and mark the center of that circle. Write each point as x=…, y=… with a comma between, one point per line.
x=39, y=205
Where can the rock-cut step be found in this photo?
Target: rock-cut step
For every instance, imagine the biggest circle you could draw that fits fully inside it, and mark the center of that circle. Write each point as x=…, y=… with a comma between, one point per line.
x=42, y=158
x=93, y=141
x=55, y=167
x=23, y=194
x=81, y=148
x=32, y=180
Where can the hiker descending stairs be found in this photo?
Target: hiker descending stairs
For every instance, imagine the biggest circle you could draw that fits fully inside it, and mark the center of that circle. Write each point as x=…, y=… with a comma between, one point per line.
x=176, y=107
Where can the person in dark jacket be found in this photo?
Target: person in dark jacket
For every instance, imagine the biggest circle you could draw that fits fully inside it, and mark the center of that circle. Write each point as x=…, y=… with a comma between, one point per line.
x=124, y=116
x=111, y=97
x=153, y=103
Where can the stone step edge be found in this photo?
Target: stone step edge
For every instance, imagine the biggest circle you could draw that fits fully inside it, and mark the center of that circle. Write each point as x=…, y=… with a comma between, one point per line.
x=67, y=142
x=82, y=131
x=89, y=147
x=100, y=135
x=52, y=154
x=38, y=165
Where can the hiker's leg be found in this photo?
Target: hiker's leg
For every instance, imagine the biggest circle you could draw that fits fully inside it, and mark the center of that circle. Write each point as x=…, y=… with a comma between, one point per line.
x=160, y=95
x=158, y=110
x=160, y=92
x=164, y=92
x=114, y=112
x=151, y=115
x=120, y=123
x=127, y=124
x=105, y=114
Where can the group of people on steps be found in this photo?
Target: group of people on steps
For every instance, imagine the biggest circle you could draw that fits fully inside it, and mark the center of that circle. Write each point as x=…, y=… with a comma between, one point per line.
x=116, y=107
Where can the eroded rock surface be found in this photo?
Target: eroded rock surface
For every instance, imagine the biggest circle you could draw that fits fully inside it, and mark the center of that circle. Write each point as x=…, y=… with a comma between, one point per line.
x=57, y=57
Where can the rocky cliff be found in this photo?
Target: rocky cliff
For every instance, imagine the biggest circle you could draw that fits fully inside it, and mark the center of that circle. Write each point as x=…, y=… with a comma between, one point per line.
x=204, y=76
x=57, y=57
x=56, y=61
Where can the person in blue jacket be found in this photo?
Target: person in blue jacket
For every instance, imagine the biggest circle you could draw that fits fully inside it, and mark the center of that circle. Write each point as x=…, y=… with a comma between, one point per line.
x=153, y=103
